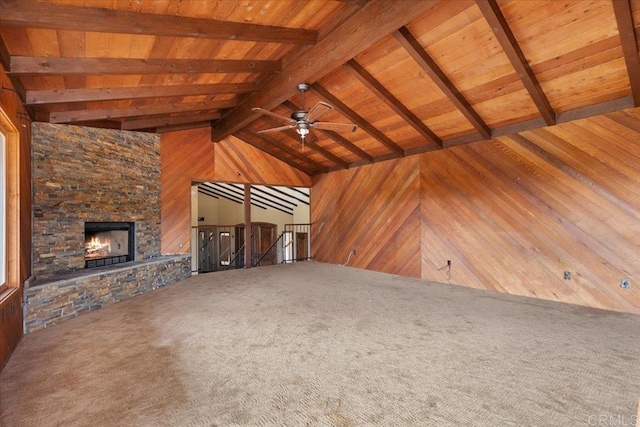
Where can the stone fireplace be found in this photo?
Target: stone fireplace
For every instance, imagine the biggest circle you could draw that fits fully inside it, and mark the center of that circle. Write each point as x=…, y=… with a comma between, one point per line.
x=108, y=243
x=96, y=221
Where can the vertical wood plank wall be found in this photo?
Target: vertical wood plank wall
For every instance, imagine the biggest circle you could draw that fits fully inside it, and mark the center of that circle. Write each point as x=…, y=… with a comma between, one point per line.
x=190, y=156
x=11, y=323
x=512, y=214
x=186, y=156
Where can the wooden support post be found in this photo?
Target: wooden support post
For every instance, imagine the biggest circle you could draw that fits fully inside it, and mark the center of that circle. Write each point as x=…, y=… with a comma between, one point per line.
x=247, y=226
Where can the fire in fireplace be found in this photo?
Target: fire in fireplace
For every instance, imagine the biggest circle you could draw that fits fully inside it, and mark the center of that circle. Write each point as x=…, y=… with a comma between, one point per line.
x=107, y=243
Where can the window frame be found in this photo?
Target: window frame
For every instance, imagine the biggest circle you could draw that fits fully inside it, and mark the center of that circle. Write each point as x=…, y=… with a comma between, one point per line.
x=11, y=196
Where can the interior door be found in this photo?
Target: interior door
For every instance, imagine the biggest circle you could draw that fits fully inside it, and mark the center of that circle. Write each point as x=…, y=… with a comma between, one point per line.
x=302, y=246
x=267, y=236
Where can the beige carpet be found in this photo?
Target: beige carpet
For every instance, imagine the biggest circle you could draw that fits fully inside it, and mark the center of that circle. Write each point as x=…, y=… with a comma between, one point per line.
x=314, y=344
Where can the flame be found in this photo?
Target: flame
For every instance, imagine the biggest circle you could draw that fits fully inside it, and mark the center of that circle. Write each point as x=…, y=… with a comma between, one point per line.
x=96, y=248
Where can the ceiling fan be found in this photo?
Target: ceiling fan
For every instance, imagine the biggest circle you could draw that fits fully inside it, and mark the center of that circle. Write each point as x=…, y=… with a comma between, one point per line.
x=302, y=120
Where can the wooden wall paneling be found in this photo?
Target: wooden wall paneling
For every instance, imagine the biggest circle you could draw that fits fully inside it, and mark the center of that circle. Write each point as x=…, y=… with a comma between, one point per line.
x=511, y=214
x=572, y=216
x=186, y=156
x=237, y=161
x=374, y=210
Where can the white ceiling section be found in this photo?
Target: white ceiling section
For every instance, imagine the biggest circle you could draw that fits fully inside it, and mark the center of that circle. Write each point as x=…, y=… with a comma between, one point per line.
x=283, y=199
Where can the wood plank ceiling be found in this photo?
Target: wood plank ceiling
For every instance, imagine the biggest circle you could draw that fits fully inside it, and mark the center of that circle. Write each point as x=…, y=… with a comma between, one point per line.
x=415, y=75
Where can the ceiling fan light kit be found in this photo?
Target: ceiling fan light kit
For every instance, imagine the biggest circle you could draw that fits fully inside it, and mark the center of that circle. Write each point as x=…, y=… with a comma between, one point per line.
x=302, y=120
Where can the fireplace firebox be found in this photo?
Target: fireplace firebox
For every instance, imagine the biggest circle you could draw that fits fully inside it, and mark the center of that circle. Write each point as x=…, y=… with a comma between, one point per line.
x=108, y=243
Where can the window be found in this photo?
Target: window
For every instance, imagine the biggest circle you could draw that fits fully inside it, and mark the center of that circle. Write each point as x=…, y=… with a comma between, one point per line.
x=3, y=212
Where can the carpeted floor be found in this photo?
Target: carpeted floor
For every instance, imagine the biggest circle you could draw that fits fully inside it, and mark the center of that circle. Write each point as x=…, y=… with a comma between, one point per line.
x=315, y=344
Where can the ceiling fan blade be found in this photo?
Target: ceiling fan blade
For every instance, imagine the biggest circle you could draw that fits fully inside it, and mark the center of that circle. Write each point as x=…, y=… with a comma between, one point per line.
x=269, y=113
x=319, y=109
x=337, y=127
x=278, y=129
x=311, y=137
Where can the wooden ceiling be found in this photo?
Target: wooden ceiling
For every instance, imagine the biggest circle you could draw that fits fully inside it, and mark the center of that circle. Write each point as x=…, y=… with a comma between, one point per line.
x=415, y=76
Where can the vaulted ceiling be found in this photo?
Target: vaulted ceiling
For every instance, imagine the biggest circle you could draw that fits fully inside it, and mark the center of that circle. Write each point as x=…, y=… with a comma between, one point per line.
x=414, y=76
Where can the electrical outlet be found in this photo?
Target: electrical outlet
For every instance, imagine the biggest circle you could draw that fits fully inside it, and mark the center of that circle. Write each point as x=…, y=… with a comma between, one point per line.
x=624, y=283
x=354, y=251
x=567, y=275
x=448, y=263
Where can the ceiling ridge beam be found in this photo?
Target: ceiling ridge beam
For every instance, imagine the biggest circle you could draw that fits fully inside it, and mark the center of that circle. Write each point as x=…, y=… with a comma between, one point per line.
x=142, y=110
x=624, y=19
x=78, y=18
x=417, y=52
x=160, y=122
x=370, y=24
x=39, y=97
x=34, y=65
x=335, y=136
x=343, y=109
x=493, y=15
x=392, y=102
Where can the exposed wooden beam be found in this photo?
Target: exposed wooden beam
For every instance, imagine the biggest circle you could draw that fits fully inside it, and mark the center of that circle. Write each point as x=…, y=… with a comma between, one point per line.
x=290, y=151
x=291, y=134
x=39, y=97
x=415, y=50
x=500, y=27
x=335, y=136
x=78, y=18
x=158, y=122
x=596, y=109
x=30, y=65
x=392, y=102
x=374, y=21
x=624, y=18
x=5, y=61
x=262, y=145
x=185, y=126
x=343, y=109
x=142, y=110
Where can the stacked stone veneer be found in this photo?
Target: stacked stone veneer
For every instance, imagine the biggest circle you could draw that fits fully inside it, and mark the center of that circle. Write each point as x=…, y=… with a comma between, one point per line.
x=83, y=174
x=92, y=175
x=65, y=299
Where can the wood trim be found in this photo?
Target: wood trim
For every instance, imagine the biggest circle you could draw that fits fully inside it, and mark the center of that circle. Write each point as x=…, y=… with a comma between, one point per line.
x=39, y=97
x=415, y=50
x=158, y=122
x=370, y=24
x=504, y=35
x=142, y=110
x=624, y=18
x=77, y=18
x=179, y=127
x=248, y=249
x=343, y=109
x=12, y=213
x=596, y=109
x=392, y=102
x=32, y=65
